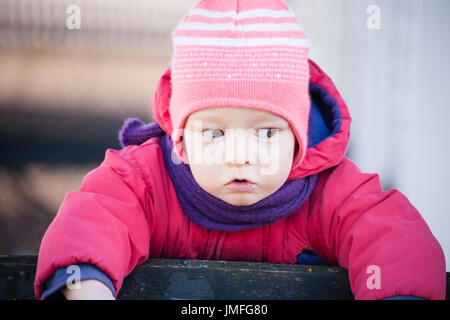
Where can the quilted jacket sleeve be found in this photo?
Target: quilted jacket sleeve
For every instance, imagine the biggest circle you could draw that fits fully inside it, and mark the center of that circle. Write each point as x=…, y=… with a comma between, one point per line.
x=104, y=223
x=379, y=237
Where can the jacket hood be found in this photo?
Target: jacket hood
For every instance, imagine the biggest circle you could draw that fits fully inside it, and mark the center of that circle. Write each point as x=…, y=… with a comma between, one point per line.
x=328, y=129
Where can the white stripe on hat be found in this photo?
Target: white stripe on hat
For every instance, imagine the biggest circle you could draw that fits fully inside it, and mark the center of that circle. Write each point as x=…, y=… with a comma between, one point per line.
x=242, y=15
x=241, y=42
x=246, y=27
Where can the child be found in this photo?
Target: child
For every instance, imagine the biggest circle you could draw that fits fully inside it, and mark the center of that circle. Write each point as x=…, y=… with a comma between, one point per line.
x=240, y=79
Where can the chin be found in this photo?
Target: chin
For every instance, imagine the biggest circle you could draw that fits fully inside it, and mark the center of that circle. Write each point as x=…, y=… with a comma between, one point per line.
x=240, y=200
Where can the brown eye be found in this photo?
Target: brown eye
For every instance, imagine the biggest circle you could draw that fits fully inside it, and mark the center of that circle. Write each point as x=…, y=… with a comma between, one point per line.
x=267, y=133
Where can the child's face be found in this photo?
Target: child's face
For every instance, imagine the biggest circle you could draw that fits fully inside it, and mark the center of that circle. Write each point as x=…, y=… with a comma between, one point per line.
x=227, y=143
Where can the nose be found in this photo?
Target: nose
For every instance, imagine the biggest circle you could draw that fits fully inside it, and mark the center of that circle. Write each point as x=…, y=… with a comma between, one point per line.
x=240, y=149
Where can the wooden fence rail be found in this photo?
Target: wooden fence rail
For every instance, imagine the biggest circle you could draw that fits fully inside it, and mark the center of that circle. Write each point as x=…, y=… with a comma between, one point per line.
x=161, y=279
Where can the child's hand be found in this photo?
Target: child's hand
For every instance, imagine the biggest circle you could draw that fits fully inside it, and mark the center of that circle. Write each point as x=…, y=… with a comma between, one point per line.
x=89, y=290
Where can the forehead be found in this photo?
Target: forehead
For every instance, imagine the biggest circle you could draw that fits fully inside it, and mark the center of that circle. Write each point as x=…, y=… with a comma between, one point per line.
x=234, y=115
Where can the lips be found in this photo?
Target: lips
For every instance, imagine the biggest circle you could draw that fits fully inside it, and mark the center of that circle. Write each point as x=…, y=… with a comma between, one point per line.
x=241, y=185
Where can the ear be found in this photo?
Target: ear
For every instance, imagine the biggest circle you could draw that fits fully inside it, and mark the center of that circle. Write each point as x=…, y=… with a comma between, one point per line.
x=179, y=148
x=184, y=151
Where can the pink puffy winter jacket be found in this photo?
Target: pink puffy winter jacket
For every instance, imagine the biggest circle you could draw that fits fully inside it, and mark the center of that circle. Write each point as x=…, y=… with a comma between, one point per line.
x=127, y=211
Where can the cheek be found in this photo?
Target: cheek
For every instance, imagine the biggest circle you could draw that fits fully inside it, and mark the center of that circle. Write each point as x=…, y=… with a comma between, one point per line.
x=278, y=155
x=206, y=176
x=292, y=148
x=289, y=147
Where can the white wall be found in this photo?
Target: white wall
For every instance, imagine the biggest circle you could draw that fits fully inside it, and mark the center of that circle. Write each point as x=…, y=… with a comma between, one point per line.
x=395, y=81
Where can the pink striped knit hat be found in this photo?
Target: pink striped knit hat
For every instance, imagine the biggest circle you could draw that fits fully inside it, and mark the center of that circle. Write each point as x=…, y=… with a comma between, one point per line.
x=240, y=53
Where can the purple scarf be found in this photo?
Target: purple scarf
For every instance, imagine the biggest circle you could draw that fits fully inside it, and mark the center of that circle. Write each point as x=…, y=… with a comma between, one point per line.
x=208, y=211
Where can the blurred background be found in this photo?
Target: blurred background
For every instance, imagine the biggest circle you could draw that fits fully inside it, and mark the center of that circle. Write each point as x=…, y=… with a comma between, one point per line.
x=64, y=94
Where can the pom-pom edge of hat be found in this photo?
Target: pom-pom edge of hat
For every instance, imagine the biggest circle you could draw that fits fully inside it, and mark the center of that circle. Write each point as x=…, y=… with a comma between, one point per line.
x=256, y=57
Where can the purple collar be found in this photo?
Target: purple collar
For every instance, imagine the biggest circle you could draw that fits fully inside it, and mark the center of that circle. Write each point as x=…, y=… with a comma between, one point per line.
x=208, y=211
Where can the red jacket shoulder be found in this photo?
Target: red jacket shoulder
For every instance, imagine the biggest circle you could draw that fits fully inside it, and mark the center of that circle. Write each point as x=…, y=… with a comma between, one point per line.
x=354, y=223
